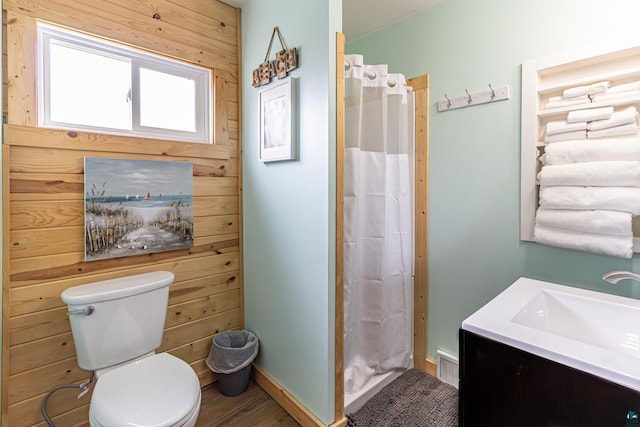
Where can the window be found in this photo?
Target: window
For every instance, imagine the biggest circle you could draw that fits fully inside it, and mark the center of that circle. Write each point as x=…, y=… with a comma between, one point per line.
x=93, y=85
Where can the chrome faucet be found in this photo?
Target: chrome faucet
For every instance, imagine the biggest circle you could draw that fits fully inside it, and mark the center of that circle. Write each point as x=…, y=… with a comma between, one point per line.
x=616, y=276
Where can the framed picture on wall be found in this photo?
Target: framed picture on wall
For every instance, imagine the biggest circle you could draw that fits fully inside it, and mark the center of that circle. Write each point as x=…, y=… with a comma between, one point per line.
x=136, y=207
x=278, y=121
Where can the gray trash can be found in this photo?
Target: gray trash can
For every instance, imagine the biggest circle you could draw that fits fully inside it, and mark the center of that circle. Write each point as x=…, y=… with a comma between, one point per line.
x=230, y=358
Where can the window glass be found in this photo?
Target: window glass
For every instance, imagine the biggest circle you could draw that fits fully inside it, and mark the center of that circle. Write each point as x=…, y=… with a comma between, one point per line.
x=87, y=88
x=167, y=101
x=97, y=86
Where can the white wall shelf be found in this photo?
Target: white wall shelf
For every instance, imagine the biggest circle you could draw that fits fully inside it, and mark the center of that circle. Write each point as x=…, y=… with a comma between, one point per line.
x=549, y=76
x=631, y=73
x=633, y=100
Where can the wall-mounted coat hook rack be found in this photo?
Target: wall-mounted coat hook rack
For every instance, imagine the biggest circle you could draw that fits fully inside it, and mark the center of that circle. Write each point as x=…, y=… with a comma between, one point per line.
x=476, y=98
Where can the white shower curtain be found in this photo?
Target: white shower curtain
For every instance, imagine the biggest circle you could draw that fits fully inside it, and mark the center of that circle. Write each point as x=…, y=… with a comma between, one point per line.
x=378, y=222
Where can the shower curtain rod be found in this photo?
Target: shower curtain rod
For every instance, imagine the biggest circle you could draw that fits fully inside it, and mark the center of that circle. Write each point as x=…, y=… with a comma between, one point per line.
x=370, y=75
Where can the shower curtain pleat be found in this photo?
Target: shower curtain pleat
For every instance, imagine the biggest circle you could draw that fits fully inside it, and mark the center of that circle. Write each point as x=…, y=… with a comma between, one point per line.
x=378, y=223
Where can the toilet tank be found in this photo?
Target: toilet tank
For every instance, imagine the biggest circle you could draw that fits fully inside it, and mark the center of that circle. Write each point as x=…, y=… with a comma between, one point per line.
x=126, y=322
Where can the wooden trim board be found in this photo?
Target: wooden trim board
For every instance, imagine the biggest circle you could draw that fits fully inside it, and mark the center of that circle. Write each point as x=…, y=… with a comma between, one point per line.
x=4, y=408
x=431, y=368
x=284, y=398
x=420, y=85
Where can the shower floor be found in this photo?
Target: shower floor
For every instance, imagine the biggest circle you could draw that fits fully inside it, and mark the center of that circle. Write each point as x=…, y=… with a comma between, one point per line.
x=355, y=401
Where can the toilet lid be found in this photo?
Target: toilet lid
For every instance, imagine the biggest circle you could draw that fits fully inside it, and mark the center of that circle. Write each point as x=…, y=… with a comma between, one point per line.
x=155, y=391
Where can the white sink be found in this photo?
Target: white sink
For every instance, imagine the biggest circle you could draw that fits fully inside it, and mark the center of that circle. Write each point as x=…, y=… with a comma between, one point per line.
x=592, y=321
x=591, y=331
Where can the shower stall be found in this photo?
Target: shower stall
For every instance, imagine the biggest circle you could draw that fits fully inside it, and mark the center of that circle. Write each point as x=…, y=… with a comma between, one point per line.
x=378, y=229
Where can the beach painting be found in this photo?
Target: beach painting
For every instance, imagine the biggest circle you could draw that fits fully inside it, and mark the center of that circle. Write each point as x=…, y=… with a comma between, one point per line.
x=135, y=207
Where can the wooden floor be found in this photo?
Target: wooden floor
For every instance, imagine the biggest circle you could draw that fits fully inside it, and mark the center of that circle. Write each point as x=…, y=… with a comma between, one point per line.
x=254, y=407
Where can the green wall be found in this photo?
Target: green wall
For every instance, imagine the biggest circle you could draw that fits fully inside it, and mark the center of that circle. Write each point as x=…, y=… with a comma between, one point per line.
x=474, y=177
x=289, y=207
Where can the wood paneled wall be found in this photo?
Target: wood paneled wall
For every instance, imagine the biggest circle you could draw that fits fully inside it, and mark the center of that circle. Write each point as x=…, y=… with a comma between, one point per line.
x=43, y=201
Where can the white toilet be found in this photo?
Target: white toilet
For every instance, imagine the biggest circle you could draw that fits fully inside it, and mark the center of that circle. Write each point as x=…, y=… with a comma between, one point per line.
x=117, y=324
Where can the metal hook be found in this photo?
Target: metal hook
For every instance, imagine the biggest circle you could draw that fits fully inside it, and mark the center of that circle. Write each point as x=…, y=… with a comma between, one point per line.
x=469, y=101
x=448, y=101
x=493, y=92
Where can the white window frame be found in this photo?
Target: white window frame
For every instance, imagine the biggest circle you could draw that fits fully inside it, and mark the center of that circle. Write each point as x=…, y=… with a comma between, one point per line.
x=138, y=59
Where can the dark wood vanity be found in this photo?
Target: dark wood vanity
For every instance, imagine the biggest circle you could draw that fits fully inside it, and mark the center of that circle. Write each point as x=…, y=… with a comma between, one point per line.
x=504, y=386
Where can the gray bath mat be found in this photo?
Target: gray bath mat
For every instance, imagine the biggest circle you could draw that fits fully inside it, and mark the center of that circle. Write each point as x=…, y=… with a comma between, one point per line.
x=413, y=399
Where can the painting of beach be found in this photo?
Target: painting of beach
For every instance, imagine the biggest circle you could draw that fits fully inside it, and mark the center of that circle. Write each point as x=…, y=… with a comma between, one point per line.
x=135, y=207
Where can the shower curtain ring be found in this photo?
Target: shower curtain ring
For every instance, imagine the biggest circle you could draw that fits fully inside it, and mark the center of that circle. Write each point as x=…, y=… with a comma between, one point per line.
x=469, y=101
x=493, y=92
x=448, y=101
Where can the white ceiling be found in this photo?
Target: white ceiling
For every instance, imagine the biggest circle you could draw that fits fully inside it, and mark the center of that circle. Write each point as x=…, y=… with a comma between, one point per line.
x=362, y=17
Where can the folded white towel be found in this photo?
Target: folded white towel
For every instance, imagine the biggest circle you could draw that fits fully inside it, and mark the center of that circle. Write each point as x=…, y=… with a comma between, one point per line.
x=586, y=90
x=618, y=118
x=559, y=102
x=590, y=114
x=598, y=87
x=585, y=221
x=565, y=136
x=615, y=96
x=575, y=91
x=624, y=199
x=561, y=126
x=630, y=129
x=591, y=151
x=593, y=174
x=626, y=87
x=594, y=243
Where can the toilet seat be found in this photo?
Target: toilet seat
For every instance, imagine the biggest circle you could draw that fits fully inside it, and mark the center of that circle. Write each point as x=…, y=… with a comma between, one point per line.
x=188, y=421
x=159, y=391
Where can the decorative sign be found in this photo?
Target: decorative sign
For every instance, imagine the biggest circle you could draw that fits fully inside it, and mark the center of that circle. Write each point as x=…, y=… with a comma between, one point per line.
x=286, y=60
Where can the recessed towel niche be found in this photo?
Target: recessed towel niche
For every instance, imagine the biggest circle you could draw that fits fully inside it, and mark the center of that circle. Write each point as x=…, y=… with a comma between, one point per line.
x=580, y=157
